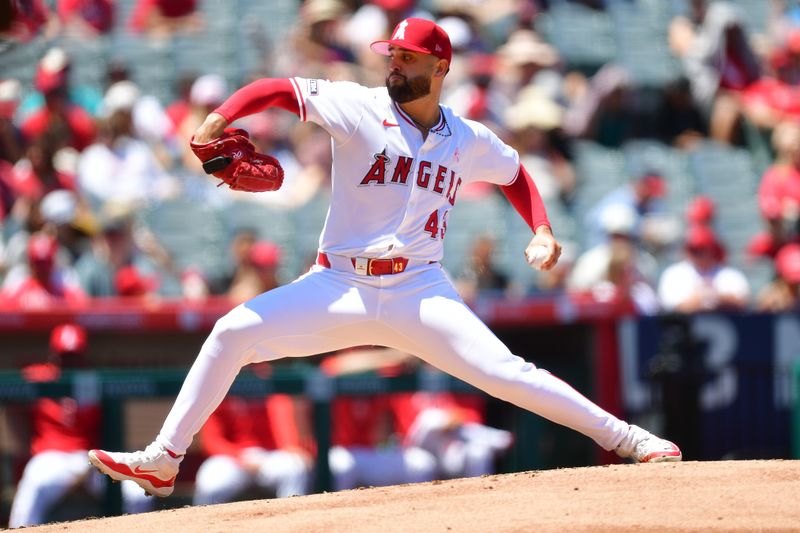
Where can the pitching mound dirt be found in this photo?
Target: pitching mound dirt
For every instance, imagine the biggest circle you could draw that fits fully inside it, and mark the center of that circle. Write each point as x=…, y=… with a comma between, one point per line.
x=691, y=496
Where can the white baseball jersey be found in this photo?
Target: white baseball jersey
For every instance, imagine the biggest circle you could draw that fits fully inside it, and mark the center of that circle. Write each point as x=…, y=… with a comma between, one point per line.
x=398, y=188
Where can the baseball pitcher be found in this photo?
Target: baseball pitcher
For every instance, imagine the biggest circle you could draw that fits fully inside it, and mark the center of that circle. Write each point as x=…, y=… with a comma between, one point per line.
x=400, y=159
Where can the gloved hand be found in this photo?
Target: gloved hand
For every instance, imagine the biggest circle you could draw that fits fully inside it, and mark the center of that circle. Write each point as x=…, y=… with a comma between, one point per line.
x=232, y=158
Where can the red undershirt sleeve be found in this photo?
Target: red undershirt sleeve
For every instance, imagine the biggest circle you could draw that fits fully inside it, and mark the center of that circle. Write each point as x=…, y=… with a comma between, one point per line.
x=525, y=197
x=258, y=96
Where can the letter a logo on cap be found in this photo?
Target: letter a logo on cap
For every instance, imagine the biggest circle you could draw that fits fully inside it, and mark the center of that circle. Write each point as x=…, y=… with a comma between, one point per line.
x=400, y=33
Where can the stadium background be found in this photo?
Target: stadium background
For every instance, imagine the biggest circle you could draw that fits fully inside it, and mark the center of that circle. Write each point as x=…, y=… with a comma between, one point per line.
x=738, y=366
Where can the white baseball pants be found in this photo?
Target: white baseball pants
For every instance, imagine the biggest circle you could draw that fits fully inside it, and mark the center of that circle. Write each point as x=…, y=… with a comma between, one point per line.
x=221, y=478
x=417, y=311
x=360, y=466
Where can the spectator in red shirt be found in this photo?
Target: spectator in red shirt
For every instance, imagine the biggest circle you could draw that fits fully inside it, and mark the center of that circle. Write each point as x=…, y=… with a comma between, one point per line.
x=71, y=122
x=45, y=285
x=779, y=193
x=252, y=442
x=63, y=429
x=776, y=97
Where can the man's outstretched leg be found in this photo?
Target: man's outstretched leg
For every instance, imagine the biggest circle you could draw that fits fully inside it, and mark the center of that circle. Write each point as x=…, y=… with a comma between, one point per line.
x=449, y=336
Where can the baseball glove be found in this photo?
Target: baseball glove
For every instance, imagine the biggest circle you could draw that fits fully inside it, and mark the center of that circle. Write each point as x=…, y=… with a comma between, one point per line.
x=232, y=158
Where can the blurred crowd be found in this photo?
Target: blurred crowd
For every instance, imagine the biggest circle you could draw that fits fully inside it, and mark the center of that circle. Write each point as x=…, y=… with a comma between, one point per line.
x=80, y=163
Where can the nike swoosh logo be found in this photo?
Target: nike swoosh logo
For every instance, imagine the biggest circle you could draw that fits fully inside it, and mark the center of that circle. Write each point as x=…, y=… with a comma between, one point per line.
x=389, y=124
x=139, y=470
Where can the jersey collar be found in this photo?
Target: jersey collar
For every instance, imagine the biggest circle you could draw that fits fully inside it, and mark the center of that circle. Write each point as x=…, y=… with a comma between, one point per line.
x=442, y=128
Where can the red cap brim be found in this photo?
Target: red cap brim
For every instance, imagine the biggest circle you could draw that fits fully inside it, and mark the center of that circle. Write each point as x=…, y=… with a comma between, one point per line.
x=382, y=47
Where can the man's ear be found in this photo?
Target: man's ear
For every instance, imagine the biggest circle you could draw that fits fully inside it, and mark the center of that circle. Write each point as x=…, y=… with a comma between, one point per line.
x=442, y=68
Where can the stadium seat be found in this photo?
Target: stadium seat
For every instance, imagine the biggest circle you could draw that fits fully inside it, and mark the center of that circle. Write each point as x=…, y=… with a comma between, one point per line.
x=192, y=233
x=584, y=37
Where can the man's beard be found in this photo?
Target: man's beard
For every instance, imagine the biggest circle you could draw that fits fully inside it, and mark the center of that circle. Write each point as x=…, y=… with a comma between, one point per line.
x=408, y=89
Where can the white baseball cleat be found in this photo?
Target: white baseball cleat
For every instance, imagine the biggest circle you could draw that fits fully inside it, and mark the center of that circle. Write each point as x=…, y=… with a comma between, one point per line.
x=153, y=469
x=644, y=447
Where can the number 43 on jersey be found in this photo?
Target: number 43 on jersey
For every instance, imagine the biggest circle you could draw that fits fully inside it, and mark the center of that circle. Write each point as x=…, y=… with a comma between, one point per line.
x=433, y=226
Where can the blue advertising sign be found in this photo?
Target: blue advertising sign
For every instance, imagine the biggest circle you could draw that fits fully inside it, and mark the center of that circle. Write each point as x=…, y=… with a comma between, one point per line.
x=721, y=382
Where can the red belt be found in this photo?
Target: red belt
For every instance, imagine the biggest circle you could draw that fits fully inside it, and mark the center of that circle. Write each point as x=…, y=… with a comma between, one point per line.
x=370, y=267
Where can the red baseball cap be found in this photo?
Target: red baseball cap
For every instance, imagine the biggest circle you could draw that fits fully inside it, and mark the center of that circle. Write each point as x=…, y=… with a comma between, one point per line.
x=265, y=253
x=128, y=281
x=68, y=339
x=42, y=248
x=394, y=5
x=787, y=263
x=48, y=81
x=701, y=237
x=701, y=210
x=653, y=184
x=417, y=35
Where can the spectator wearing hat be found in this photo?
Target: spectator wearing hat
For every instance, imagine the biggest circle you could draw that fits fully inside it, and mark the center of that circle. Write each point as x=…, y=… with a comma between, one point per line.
x=779, y=193
x=702, y=281
x=644, y=195
x=69, y=220
x=535, y=124
x=62, y=430
x=701, y=211
x=783, y=293
x=121, y=167
x=116, y=247
x=43, y=284
x=60, y=111
x=258, y=274
x=526, y=60
x=618, y=268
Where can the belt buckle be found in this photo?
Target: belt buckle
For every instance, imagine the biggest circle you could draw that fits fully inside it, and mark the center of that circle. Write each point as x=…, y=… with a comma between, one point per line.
x=363, y=266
